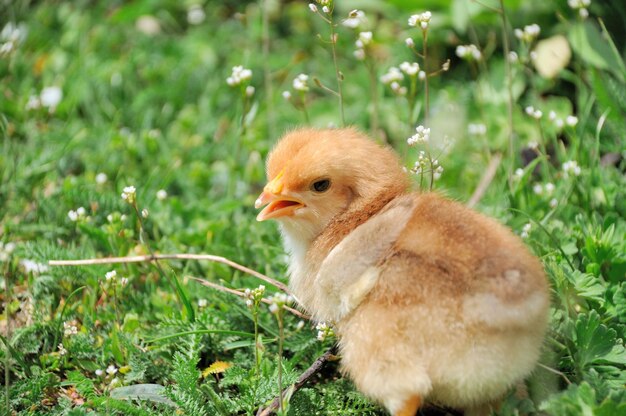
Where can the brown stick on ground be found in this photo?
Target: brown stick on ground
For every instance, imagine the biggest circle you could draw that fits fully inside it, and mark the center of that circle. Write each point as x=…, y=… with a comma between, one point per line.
x=140, y=259
x=485, y=181
x=304, y=377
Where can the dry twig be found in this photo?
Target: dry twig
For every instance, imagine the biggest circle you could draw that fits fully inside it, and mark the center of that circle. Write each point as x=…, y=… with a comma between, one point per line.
x=148, y=258
x=304, y=377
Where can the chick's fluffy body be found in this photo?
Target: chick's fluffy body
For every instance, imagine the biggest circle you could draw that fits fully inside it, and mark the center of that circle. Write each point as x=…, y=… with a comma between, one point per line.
x=430, y=299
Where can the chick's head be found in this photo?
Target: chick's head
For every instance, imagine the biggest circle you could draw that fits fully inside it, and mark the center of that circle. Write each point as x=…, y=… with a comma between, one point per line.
x=315, y=175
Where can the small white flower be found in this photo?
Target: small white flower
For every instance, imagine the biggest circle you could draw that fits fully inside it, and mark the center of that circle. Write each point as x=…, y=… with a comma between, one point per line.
x=571, y=121
x=62, y=350
x=129, y=194
x=300, y=325
x=526, y=230
x=145, y=213
x=421, y=75
x=553, y=203
x=365, y=37
x=161, y=194
x=115, y=381
x=202, y=303
x=533, y=55
x=422, y=20
x=438, y=172
x=101, y=178
x=51, y=97
x=69, y=329
x=250, y=91
x=533, y=145
x=469, y=52
x=559, y=123
x=538, y=189
x=549, y=188
x=359, y=54
x=529, y=33
x=394, y=74
x=111, y=370
x=110, y=218
x=313, y=7
x=409, y=42
x=571, y=168
x=529, y=110
x=551, y=115
x=99, y=372
x=325, y=9
x=110, y=275
x=195, y=15
x=124, y=281
x=584, y=13
x=249, y=303
x=287, y=95
x=239, y=74
x=355, y=19
x=273, y=308
x=72, y=215
x=513, y=58
x=537, y=114
x=519, y=173
x=300, y=83
x=31, y=266
x=81, y=211
x=477, y=129
x=422, y=135
x=410, y=69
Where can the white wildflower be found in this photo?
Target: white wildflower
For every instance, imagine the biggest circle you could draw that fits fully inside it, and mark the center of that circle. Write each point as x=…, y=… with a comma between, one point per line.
x=300, y=325
x=553, y=203
x=110, y=275
x=438, y=171
x=571, y=121
x=148, y=25
x=422, y=20
x=99, y=372
x=410, y=68
x=51, y=97
x=409, y=42
x=287, y=95
x=33, y=103
x=161, y=194
x=551, y=115
x=145, y=213
x=31, y=266
x=62, y=350
x=124, y=281
x=250, y=91
x=421, y=75
x=202, y=303
x=526, y=230
x=239, y=75
x=101, y=178
x=365, y=38
x=513, y=58
x=195, y=15
x=571, y=168
x=81, y=211
x=538, y=189
x=559, y=123
x=469, y=52
x=529, y=33
x=325, y=9
x=324, y=331
x=477, y=129
x=422, y=135
x=110, y=218
x=279, y=301
x=72, y=215
x=355, y=19
x=300, y=83
x=393, y=74
x=69, y=328
x=519, y=173
x=549, y=188
x=111, y=370
x=313, y=7
x=129, y=194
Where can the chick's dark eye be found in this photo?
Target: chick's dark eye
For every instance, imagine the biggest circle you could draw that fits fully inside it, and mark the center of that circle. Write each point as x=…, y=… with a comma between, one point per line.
x=321, y=185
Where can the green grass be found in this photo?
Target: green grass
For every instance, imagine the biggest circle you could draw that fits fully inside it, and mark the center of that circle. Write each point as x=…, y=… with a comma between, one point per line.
x=154, y=111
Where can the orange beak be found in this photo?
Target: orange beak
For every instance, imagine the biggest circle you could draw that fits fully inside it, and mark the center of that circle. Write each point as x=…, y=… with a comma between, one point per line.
x=276, y=204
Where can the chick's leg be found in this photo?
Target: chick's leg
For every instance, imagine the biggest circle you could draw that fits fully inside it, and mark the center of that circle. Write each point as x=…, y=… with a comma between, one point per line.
x=410, y=407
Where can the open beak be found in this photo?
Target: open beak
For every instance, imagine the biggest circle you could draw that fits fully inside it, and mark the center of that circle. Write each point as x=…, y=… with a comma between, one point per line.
x=276, y=204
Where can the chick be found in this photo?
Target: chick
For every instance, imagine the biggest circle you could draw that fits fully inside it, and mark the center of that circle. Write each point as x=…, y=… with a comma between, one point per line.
x=432, y=302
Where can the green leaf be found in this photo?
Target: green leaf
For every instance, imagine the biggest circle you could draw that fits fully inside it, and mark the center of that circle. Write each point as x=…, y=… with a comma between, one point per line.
x=588, y=43
x=149, y=392
x=594, y=341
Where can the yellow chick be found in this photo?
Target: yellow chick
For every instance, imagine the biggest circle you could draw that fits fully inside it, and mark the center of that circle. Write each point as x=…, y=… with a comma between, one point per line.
x=432, y=302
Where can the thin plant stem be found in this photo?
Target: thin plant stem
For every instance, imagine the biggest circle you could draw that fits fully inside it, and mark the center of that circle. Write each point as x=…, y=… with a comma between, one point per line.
x=333, y=41
x=267, y=76
x=371, y=71
x=7, y=355
x=426, y=92
x=279, y=317
x=509, y=87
